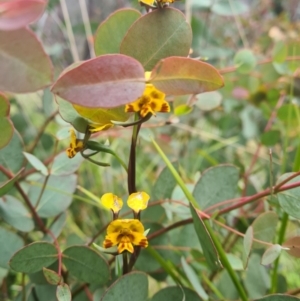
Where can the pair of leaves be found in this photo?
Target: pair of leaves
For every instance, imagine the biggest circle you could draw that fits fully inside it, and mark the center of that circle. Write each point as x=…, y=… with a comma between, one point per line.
x=113, y=80
x=82, y=262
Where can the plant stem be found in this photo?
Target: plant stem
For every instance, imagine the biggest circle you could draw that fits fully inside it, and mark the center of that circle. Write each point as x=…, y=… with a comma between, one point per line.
x=132, y=159
x=125, y=263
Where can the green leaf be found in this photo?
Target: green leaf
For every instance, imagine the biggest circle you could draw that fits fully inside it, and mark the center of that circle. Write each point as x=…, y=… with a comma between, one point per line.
x=244, y=61
x=229, y=7
x=119, y=79
x=180, y=75
x=158, y=35
x=194, y=279
x=264, y=228
x=11, y=156
x=235, y=262
x=6, y=186
x=257, y=280
x=209, y=101
x=271, y=254
x=270, y=138
x=16, y=214
x=118, y=22
x=22, y=55
x=209, y=250
x=278, y=297
x=63, y=166
x=176, y=293
x=70, y=115
x=56, y=197
x=247, y=243
x=63, y=292
x=279, y=52
x=288, y=114
x=33, y=257
x=13, y=243
x=289, y=199
x=36, y=163
x=130, y=287
x=7, y=128
x=52, y=277
x=86, y=264
x=182, y=109
x=216, y=185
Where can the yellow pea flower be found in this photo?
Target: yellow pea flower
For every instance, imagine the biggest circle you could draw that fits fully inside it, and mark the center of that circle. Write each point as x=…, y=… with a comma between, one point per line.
x=112, y=201
x=76, y=145
x=125, y=233
x=138, y=201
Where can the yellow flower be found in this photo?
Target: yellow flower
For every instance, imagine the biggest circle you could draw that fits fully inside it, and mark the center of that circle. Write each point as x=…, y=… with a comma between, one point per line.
x=151, y=101
x=138, y=201
x=76, y=145
x=125, y=233
x=112, y=201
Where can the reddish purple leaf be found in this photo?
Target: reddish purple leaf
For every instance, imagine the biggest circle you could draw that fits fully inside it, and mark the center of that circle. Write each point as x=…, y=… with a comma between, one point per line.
x=25, y=67
x=178, y=76
x=104, y=82
x=293, y=244
x=15, y=14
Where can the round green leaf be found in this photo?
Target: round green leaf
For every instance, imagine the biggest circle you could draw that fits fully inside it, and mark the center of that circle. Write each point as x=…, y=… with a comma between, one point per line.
x=157, y=35
x=270, y=138
x=289, y=199
x=216, y=184
x=130, y=287
x=118, y=23
x=209, y=101
x=179, y=76
x=245, y=61
x=52, y=277
x=107, y=81
x=16, y=214
x=33, y=257
x=63, y=292
x=182, y=109
x=62, y=165
x=25, y=67
x=176, y=293
x=229, y=7
x=271, y=254
x=11, y=156
x=56, y=197
x=264, y=228
x=86, y=264
x=13, y=243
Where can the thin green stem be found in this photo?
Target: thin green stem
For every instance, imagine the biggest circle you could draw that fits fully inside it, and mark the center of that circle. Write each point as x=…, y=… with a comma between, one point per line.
x=125, y=263
x=274, y=280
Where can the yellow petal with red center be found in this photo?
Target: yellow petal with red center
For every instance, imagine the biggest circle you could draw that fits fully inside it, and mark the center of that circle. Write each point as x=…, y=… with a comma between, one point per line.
x=75, y=145
x=112, y=201
x=125, y=244
x=138, y=201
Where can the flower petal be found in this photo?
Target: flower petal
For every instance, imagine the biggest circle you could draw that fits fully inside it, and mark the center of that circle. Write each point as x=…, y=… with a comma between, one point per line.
x=76, y=145
x=112, y=201
x=138, y=201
